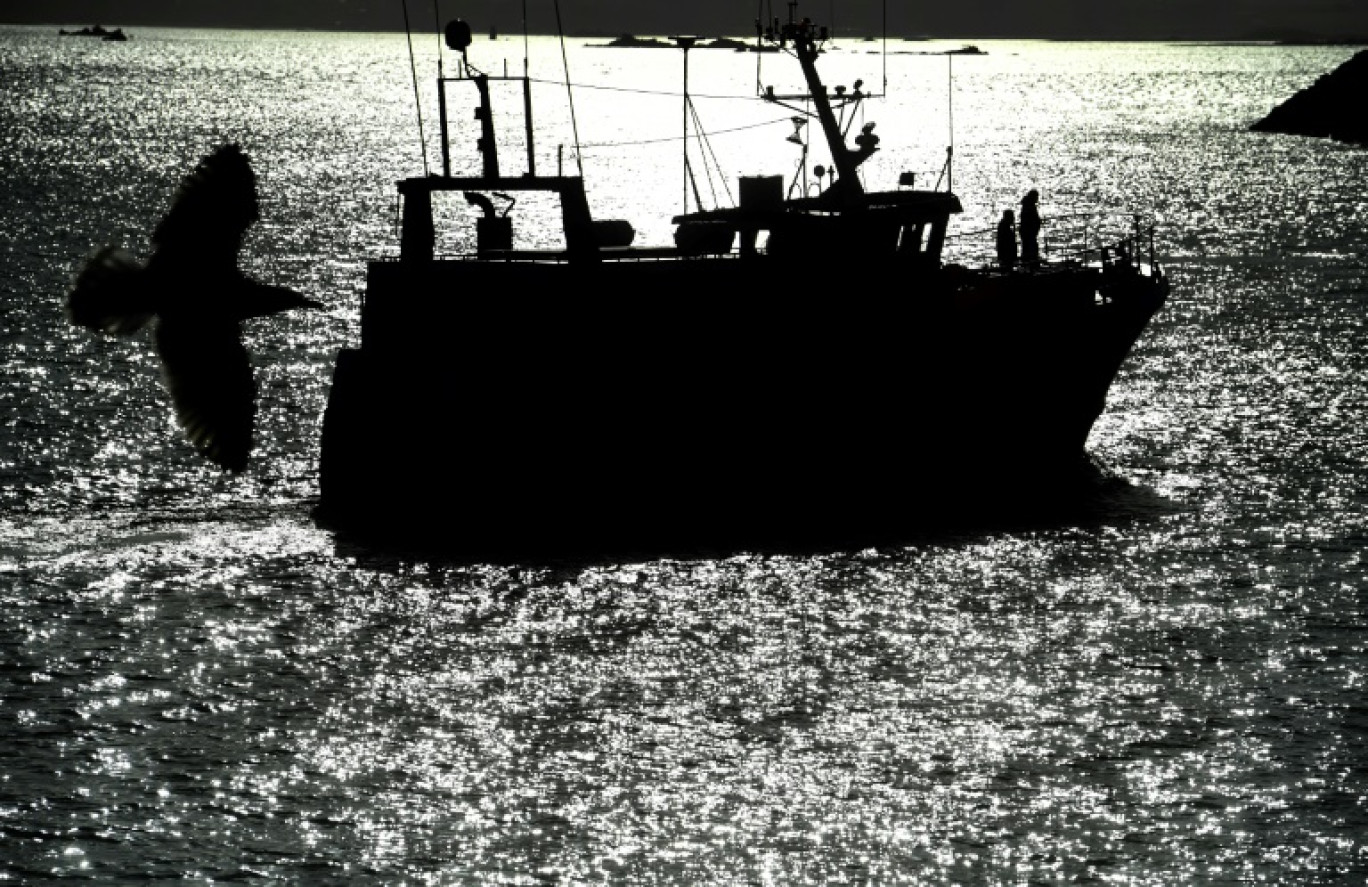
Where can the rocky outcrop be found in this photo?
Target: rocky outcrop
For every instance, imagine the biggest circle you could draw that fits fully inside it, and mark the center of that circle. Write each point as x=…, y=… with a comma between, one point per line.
x=1330, y=108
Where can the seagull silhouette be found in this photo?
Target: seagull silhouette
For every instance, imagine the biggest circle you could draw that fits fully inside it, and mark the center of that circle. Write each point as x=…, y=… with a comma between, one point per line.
x=196, y=298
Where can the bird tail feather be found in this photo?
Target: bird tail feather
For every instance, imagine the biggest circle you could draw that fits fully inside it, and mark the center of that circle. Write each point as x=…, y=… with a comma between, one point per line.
x=110, y=294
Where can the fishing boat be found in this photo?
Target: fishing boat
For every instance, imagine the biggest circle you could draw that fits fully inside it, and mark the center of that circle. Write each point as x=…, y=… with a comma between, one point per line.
x=797, y=371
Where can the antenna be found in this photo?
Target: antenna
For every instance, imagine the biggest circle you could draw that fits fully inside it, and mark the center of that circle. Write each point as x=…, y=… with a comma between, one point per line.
x=950, y=111
x=527, y=94
x=417, y=100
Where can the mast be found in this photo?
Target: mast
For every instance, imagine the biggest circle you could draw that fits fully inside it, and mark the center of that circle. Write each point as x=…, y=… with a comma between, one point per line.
x=685, y=43
x=458, y=37
x=805, y=37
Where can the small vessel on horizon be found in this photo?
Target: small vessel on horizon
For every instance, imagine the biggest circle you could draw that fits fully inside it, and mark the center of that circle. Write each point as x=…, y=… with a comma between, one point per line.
x=115, y=35
x=797, y=371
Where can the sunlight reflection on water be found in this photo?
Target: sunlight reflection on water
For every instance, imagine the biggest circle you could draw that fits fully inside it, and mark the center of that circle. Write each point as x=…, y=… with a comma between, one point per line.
x=201, y=683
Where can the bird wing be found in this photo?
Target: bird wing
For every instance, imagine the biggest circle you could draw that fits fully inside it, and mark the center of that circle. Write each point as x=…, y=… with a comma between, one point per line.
x=200, y=235
x=213, y=208
x=110, y=294
x=193, y=286
x=209, y=377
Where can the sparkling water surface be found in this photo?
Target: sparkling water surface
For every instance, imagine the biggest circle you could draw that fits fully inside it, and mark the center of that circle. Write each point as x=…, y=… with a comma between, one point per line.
x=201, y=684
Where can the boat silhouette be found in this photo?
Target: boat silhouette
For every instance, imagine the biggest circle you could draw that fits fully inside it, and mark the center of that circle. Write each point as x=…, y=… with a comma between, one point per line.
x=798, y=371
x=114, y=35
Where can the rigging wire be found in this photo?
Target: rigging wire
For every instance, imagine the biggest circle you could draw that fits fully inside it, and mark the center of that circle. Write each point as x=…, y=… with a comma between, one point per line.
x=437, y=32
x=417, y=99
x=639, y=91
x=570, y=95
x=710, y=162
x=663, y=139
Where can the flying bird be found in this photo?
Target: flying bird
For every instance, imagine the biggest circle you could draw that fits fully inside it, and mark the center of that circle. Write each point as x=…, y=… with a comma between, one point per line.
x=193, y=294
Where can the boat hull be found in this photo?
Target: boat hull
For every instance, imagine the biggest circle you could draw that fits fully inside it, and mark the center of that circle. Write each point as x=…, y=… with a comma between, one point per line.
x=503, y=409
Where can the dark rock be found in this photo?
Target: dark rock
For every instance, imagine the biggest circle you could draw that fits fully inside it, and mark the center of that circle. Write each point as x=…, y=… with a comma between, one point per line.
x=1330, y=108
x=633, y=41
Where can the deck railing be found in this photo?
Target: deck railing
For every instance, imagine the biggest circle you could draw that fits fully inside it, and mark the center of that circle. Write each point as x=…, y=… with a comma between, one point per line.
x=1081, y=239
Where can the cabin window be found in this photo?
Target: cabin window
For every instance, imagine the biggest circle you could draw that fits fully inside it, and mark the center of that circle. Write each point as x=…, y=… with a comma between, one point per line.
x=911, y=239
x=530, y=221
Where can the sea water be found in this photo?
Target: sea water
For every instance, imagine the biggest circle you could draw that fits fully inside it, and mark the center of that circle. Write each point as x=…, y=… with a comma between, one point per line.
x=198, y=682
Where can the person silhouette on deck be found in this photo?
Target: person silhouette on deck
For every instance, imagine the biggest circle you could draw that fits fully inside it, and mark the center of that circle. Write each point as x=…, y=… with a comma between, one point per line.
x=1030, y=229
x=1007, y=241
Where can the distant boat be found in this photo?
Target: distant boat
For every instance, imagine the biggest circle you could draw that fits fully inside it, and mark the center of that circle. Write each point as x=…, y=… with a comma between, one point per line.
x=967, y=49
x=115, y=35
x=802, y=370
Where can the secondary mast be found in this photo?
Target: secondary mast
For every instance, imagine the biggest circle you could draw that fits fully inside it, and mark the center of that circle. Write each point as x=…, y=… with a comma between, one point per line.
x=806, y=39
